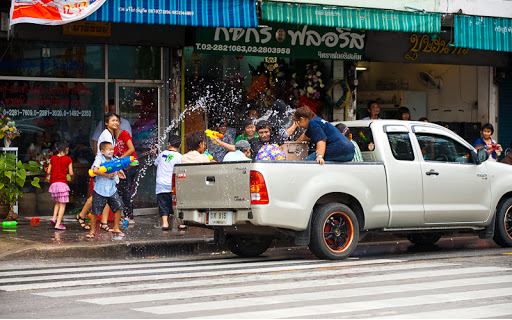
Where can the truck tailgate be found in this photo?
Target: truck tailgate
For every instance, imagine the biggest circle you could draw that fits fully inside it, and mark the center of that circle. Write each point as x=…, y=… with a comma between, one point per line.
x=213, y=186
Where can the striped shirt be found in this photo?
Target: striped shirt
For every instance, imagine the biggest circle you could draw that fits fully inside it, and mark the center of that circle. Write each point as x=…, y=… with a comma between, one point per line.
x=357, y=152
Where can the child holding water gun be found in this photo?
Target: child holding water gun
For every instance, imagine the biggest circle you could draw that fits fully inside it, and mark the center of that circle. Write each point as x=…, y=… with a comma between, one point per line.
x=60, y=166
x=105, y=191
x=490, y=145
x=165, y=164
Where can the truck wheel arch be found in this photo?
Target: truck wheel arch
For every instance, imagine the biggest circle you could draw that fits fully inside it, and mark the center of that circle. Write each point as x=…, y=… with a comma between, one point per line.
x=346, y=199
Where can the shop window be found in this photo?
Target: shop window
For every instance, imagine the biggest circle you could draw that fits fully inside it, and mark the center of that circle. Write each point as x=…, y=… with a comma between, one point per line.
x=51, y=59
x=48, y=112
x=128, y=62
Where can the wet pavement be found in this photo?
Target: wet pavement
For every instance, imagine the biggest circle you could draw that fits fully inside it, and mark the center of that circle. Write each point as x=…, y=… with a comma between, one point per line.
x=145, y=238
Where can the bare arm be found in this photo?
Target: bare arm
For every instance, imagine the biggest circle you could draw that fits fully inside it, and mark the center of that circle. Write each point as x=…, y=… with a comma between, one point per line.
x=230, y=147
x=131, y=149
x=320, y=151
x=94, y=147
x=303, y=137
x=291, y=129
x=71, y=173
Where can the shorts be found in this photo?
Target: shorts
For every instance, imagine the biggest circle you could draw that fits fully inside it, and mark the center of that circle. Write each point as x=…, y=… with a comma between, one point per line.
x=59, y=192
x=164, y=204
x=99, y=202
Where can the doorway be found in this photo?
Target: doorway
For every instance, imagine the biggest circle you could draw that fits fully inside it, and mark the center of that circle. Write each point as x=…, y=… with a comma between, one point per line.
x=140, y=105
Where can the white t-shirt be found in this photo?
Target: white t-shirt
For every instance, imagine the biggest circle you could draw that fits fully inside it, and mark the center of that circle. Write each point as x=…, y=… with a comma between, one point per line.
x=124, y=125
x=106, y=136
x=165, y=164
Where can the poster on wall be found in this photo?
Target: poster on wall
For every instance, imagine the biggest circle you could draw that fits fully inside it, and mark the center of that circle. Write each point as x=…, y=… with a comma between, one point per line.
x=286, y=41
x=52, y=12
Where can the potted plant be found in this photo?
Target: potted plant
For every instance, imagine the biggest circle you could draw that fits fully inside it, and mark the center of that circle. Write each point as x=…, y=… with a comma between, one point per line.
x=13, y=175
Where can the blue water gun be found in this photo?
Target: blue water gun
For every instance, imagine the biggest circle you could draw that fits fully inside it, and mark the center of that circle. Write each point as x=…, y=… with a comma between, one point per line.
x=116, y=165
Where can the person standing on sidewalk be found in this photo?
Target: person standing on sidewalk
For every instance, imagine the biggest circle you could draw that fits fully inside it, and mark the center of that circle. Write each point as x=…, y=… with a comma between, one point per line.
x=165, y=164
x=111, y=121
x=60, y=166
x=123, y=149
x=105, y=191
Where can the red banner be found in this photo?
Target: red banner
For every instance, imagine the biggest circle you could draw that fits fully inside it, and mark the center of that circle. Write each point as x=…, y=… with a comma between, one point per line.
x=52, y=12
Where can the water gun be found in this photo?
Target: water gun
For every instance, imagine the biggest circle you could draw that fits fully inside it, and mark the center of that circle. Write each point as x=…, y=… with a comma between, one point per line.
x=116, y=165
x=493, y=146
x=9, y=223
x=213, y=134
x=209, y=155
x=363, y=138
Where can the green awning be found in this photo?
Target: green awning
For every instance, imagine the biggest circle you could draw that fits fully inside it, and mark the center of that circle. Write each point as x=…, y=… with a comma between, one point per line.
x=354, y=18
x=484, y=33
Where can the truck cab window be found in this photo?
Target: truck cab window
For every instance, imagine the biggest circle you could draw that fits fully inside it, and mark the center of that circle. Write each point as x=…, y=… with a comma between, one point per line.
x=400, y=144
x=442, y=149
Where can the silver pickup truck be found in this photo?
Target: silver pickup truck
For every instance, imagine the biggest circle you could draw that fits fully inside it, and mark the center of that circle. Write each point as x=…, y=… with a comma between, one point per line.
x=418, y=180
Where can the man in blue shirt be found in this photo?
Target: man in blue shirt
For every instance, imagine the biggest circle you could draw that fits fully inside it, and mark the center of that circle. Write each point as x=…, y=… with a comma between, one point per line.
x=242, y=152
x=105, y=191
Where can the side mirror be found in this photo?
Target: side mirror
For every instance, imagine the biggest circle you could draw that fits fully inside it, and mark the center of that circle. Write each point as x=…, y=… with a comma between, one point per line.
x=481, y=156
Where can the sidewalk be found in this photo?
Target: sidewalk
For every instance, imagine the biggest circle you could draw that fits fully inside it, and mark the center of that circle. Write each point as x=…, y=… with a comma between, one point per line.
x=145, y=238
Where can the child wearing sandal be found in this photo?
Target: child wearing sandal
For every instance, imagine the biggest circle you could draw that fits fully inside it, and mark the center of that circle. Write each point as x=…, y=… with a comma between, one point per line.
x=105, y=191
x=58, y=169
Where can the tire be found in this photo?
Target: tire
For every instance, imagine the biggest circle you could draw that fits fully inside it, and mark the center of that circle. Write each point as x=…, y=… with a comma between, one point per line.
x=424, y=239
x=247, y=246
x=503, y=228
x=334, y=232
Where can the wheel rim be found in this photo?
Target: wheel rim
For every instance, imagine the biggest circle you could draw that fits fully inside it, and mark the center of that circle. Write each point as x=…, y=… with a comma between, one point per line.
x=508, y=222
x=338, y=231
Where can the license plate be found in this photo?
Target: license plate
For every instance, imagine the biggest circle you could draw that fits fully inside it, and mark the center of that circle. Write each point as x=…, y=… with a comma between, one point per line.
x=219, y=218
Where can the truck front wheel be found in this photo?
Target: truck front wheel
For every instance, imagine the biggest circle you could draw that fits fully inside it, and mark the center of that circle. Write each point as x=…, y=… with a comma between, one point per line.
x=334, y=232
x=247, y=246
x=503, y=231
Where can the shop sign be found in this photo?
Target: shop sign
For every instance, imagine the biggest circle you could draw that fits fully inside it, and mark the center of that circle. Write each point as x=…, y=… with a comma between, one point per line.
x=87, y=28
x=286, y=41
x=52, y=12
x=431, y=44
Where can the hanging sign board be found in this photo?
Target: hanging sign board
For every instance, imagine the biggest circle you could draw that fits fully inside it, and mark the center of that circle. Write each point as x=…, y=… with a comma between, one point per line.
x=286, y=41
x=52, y=12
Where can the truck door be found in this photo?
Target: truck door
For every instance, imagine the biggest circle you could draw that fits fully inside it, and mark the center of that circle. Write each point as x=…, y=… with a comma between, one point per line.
x=455, y=189
x=405, y=191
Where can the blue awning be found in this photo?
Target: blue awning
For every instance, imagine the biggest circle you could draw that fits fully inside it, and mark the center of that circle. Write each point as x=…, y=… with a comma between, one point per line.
x=484, y=33
x=218, y=13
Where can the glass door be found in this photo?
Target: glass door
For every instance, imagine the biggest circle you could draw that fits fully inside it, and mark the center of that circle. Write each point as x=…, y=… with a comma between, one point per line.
x=139, y=105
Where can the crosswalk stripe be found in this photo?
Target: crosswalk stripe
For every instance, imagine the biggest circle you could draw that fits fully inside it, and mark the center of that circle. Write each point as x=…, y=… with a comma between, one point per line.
x=259, y=277
x=124, y=266
x=272, y=287
x=295, y=297
x=315, y=310
x=166, y=274
x=485, y=311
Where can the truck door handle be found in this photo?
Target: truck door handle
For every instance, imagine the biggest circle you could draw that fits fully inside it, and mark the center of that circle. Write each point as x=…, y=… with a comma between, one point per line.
x=210, y=179
x=432, y=172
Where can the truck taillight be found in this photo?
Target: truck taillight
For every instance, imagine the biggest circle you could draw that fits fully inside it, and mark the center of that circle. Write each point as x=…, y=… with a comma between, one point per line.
x=259, y=194
x=173, y=190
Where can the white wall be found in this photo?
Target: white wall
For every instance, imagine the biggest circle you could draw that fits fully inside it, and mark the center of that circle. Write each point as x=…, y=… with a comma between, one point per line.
x=490, y=8
x=459, y=99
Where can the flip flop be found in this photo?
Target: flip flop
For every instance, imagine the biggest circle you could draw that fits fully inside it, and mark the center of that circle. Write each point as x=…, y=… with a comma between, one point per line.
x=105, y=227
x=118, y=233
x=82, y=222
x=90, y=235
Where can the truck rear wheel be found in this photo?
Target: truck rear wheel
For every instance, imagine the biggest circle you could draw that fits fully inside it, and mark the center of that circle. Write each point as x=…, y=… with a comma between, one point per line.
x=334, y=232
x=503, y=230
x=424, y=239
x=247, y=246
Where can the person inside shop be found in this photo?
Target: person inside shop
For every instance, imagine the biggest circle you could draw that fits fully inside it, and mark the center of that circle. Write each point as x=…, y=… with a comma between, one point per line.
x=373, y=110
x=423, y=119
x=491, y=146
x=403, y=113
x=508, y=155
x=124, y=125
x=331, y=144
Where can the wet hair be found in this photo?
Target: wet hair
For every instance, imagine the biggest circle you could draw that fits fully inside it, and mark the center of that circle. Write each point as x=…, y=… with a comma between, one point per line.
x=104, y=145
x=401, y=111
x=369, y=107
x=262, y=125
x=248, y=122
x=343, y=129
x=423, y=119
x=479, y=146
x=109, y=115
x=62, y=146
x=242, y=145
x=303, y=112
x=194, y=139
x=488, y=126
x=174, y=140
